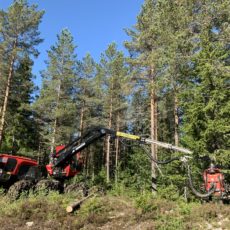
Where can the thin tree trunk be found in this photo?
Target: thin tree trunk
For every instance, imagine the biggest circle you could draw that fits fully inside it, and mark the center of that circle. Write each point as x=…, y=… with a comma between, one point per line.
x=108, y=142
x=117, y=149
x=39, y=152
x=82, y=119
x=86, y=162
x=53, y=141
x=155, y=122
x=153, y=114
x=176, y=120
x=82, y=115
x=93, y=164
x=7, y=92
x=53, y=137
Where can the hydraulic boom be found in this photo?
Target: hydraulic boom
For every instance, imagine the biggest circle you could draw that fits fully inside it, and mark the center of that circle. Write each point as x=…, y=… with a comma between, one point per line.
x=94, y=134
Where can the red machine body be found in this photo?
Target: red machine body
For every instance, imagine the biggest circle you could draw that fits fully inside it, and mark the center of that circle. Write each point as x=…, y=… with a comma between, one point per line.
x=13, y=163
x=68, y=170
x=14, y=168
x=213, y=176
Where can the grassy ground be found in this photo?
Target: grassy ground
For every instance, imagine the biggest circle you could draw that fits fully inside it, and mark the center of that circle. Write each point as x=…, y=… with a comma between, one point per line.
x=111, y=211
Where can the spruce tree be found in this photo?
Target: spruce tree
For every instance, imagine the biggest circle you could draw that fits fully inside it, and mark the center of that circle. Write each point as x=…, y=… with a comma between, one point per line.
x=21, y=127
x=206, y=107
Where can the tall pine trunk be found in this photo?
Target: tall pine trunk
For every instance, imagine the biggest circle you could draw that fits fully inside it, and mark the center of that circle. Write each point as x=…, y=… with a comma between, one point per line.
x=108, y=142
x=82, y=118
x=82, y=115
x=153, y=114
x=117, y=149
x=176, y=120
x=53, y=141
x=7, y=92
x=93, y=163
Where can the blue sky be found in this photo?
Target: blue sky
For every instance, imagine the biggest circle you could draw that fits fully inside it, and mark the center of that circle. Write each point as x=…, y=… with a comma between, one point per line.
x=94, y=24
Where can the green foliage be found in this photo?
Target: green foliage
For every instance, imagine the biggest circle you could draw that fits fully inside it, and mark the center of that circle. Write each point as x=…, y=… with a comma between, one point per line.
x=21, y=132
x=55, y=107
x=115, y=87
x=135, y=170
x=146, y=202
x=94, y=206
x=100, y=178
x=169, y=192
x=168, y=222
x=206, y=97
x=19, y=36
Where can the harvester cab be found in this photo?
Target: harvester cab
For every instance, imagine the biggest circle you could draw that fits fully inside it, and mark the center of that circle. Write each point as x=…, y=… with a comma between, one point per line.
x=15, y=168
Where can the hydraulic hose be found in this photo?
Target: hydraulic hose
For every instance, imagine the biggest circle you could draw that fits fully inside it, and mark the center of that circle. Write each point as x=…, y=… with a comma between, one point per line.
x=149, y=155
x=159, y=162
x=195, y=192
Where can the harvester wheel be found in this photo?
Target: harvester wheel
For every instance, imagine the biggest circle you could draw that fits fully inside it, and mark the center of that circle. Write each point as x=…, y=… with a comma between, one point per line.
x=77, y=188
x=47, y=185
x=19, y=188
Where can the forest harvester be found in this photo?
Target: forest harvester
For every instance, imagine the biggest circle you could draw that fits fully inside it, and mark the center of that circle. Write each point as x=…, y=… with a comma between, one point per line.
x=19, y=174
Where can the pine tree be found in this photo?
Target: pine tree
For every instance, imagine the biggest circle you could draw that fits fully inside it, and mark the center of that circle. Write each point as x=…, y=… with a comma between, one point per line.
x=88, y=102
x=175, y=38
x=19, y=35
x=145, y=54
x=56, y=106
x=113, y=73
x=86, y=97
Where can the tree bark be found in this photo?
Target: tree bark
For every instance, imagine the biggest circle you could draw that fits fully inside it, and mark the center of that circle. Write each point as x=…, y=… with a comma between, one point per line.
x=153, y=114
x=93, y=163
x=117, y=149
x=176, y=120
x=76, y=204
x=82, y=115
x=108, y=141
x=7, y=92
x=82, y=118
x=53, y=141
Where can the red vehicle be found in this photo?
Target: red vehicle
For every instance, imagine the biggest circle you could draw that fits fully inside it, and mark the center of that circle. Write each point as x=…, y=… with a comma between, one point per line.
x=214, y=177
x=15, y=168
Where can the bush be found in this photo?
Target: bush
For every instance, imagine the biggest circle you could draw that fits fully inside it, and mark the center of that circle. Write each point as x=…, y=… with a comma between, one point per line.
x=170, y=192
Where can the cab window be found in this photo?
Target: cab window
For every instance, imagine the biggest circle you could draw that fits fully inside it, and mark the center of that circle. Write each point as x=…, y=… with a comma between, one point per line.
x=10, y=165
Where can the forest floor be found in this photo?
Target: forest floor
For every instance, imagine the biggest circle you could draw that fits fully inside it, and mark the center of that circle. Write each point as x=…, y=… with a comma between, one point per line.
x=111, y=212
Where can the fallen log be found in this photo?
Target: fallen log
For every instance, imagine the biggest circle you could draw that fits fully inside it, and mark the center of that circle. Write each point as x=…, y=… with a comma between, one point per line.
x=76, y=204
